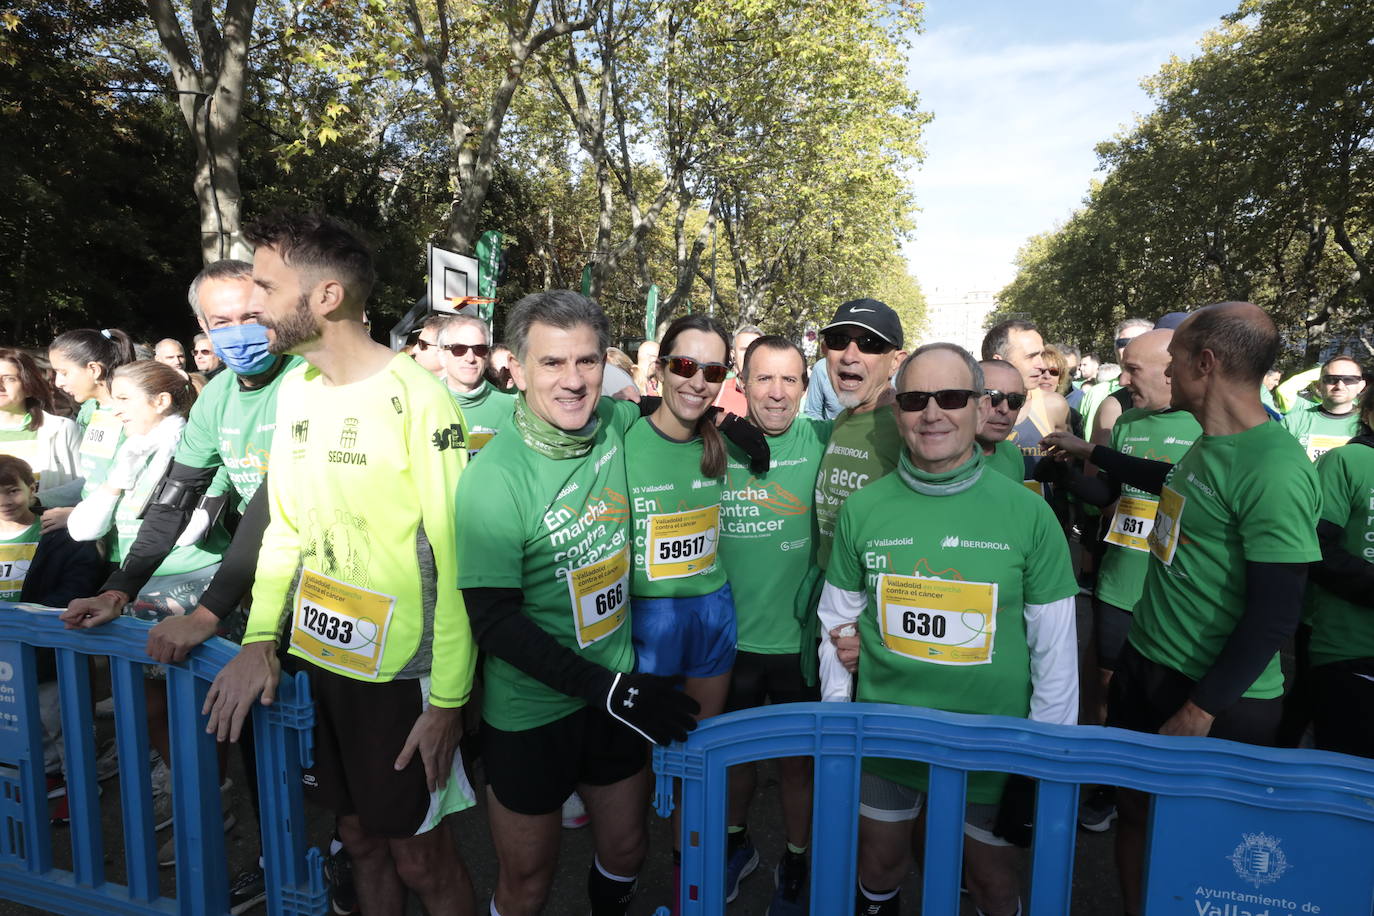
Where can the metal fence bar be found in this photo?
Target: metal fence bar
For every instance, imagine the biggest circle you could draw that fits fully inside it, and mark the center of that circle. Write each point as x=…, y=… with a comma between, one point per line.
x=83, y=793
x=131, y=742
x=294, y=874
x=944, y=852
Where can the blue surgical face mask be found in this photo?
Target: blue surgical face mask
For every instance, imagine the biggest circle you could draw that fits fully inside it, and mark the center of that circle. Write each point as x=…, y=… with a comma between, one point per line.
x=243, y=347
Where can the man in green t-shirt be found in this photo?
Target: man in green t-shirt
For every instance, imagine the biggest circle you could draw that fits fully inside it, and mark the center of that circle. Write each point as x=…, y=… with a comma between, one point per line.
x=1340, y=599
x=863, y=346
x=1333, y=421
x=465, y=345
x=768, y=546
x=1006, y=391
x=370, y=599
x=1234, y=530
x=969, y=609
x=545, y=556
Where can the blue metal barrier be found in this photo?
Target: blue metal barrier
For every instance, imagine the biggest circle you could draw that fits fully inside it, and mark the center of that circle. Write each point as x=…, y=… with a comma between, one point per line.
x=282, y=736
x=1233, y=829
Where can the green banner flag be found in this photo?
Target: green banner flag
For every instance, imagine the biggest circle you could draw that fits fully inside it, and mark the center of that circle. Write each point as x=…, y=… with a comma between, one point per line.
x=651, y=313
x=488, y=272
x=587, y=280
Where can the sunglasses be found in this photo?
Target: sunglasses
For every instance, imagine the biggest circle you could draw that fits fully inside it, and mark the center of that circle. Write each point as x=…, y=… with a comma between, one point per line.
x=867, y=343
x=202, y=352
x=1052, y=372
x=1349, y=381
x=945, y=399
x=478, y=350
x=687, y=367
x=1014, y=401
x=1122, y=341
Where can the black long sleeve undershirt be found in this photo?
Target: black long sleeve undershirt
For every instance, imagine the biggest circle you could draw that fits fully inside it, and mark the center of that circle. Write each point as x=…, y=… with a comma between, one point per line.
x=1273, y=608
x=1141, y=473
x=234, y=578
x=503, y=631
x=157, y=535
x=1340, y=572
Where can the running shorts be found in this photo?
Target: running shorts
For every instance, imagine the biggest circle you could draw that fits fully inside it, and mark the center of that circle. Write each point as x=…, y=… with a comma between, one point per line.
x=881, y=799
x=692, y=637
x=757, y=679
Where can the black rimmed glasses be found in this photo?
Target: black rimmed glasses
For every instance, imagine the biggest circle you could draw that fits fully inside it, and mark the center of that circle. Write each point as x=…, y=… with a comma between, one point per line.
x=945, y=399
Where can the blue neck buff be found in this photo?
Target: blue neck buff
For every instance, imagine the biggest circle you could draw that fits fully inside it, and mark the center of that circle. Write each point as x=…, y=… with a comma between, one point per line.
x=243, y=347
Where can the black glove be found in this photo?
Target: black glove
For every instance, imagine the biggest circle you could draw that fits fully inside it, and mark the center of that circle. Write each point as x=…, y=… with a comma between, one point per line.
x=1053, y=472
x=749, y=438
x=650, y=705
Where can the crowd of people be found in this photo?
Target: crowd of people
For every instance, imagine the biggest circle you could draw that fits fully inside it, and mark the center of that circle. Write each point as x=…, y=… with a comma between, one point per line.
x=580, y=554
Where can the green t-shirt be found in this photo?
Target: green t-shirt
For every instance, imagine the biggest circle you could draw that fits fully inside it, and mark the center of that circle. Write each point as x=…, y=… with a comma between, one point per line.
x=767, y=535
x=1162, y=435
x=16, y=555
x=1247, y=497
x=1318, y=432
x=231, y=426
x=676, y=513
x=863, y=447
x=360, y=550
x=1342, y=629
x=189, y=558
x=485, y=411
x=558, y=530
x=1006, y=459
x=951, y=633
x=103, y=434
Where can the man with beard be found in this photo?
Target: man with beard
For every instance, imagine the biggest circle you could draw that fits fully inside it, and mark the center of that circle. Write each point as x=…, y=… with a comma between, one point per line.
x=376, y=618
x=1006, y=393
x=863, y=347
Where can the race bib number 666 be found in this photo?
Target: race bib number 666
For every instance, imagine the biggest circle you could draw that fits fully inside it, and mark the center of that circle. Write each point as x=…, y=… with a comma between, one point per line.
x=600, y=597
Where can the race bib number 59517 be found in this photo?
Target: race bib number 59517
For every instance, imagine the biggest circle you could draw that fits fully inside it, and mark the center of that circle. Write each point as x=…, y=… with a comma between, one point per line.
x=682, y=543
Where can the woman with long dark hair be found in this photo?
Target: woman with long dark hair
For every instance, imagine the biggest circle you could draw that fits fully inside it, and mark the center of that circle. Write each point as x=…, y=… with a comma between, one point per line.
x=29, y=430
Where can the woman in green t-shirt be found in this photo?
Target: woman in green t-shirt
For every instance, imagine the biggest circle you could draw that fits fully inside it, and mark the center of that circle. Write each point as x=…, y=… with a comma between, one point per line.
x=681, y=611
x=83, y=362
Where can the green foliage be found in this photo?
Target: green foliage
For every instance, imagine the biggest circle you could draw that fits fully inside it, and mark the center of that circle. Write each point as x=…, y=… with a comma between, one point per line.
x=1251, y=179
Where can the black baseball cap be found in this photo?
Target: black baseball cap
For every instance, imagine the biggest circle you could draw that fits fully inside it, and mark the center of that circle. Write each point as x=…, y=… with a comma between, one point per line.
x=1171, y=321
x=871, y=315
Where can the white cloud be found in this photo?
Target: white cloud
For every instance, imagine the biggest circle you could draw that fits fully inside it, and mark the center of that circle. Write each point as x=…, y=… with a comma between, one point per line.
x=1010, y=151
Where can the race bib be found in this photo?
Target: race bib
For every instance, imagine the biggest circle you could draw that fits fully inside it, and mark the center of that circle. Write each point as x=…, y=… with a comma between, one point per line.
x=934, y=620
x=476, y=441
x=682, y=543
x=341, y=626
x=1164, y=536
x=600, y=597
x=1132, y=523
x=102, y=436
x=1320, y=445
x=14, y=565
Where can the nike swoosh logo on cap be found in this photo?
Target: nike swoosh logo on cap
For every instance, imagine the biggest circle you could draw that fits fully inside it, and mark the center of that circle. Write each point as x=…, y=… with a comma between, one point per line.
x=862, y=310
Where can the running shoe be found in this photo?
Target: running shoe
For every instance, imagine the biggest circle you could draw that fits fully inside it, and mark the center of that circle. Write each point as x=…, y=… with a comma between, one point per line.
x=740, y=865
x=574, y=812
x=1098, y=810
x=247, y=890
x=338, y=873
x=790, y=878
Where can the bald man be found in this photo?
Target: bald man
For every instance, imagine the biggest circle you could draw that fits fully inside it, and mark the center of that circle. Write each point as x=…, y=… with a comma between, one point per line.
x=1233, y=533
x=1006, y=391
x=171, y=352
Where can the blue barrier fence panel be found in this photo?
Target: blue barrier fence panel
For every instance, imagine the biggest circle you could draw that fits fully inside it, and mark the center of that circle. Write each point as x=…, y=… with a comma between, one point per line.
x=293, y=874
x=1232, y=826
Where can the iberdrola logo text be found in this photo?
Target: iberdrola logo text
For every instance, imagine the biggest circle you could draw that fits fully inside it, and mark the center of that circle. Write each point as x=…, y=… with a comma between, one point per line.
x=953, y=540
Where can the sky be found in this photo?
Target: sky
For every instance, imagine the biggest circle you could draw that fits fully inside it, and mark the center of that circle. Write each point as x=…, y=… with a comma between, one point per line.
x=1021, y=94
